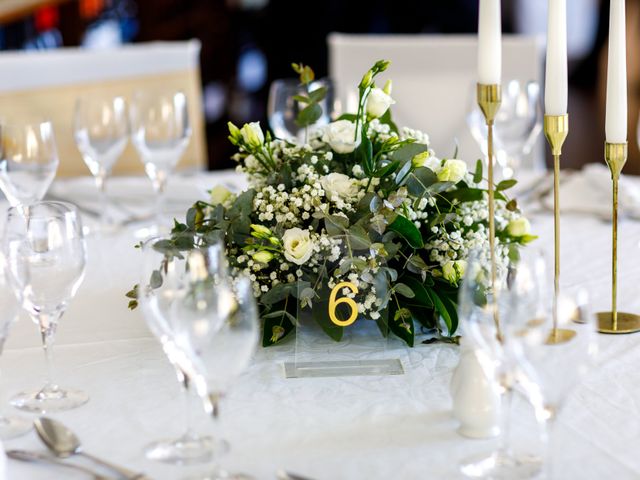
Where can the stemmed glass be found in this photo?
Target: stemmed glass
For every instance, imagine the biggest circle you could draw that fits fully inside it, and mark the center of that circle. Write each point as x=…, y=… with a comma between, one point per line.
x=489, y=322
x=156, y=297
x=28, y=161
x=217, y=329
x=283, y=108
x=101, y=131
x=518, y=123
x=46, y=257
x=10, y=426
x=542, y=347
x=160, y=132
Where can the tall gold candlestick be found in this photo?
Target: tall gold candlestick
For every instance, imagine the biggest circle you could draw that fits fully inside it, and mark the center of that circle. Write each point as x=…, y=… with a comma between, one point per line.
x=556, y=129
x=615, y=154
x=489, y=99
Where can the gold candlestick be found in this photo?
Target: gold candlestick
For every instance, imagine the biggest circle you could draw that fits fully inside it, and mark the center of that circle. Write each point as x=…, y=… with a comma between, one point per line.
x=556, y=129
x=615, y=154
x=489, y=99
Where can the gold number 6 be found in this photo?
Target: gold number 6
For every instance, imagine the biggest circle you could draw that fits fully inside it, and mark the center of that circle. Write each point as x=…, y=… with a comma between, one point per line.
x=333, y=304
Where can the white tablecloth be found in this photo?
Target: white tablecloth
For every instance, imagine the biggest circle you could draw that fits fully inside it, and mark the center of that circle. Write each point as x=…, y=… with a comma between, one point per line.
x=330, y=428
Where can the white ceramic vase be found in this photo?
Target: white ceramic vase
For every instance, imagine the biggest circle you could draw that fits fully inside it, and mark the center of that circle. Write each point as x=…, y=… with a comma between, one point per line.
x=476, y=400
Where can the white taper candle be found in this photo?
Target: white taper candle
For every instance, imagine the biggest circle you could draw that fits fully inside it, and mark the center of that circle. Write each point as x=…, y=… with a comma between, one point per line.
x=489, y=43
x=555, y=93
x=616, y=110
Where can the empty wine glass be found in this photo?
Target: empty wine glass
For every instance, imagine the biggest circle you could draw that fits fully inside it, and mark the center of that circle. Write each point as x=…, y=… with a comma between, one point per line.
x=10, y=426
x=101, y=132
x=543, y=346
x=518, y=124
x=160, y=132
x=28, y=161
x=46, y=257
x=156, y=298
x=216, y=324
x=489, y=323
x=283, y=108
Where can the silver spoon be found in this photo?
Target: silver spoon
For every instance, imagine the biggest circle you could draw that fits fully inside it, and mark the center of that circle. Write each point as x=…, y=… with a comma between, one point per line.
x=26, y=456
x=64, y=443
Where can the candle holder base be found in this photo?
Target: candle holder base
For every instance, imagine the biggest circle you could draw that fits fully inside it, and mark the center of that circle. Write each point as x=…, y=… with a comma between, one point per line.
x=626, y=323
x=560, y=336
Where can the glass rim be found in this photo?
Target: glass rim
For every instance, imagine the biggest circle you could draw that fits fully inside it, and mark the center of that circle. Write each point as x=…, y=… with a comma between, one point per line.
x=70, y=208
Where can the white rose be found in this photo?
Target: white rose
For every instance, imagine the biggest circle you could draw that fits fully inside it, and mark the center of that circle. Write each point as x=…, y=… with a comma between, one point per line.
x=452, y=171
x=519, y=227
x=338, y=186
x=298, y=245
x=454, y=271
x=340, y=136
x=378, y=102
x=252, y=134
x=219, y=194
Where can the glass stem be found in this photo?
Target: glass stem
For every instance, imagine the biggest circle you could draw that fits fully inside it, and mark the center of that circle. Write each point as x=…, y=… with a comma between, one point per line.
x=186, y=401
x=101, y=183
x=159, y=185
x=48, y=325
x=504, y=446
x=549, y=439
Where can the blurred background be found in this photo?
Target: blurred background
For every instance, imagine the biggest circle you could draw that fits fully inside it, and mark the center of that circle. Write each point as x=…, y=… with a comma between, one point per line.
x=247, y=44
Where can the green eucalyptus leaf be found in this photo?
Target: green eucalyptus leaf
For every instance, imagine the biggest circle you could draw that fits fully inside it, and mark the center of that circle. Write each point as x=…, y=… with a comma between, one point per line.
x=421, y=293
x=318, y=94
x=506, y=184
x=407, y=230
x=309, y=115
x=420, y=180
x=156, y=279
x=477, y=175
x=404, y=290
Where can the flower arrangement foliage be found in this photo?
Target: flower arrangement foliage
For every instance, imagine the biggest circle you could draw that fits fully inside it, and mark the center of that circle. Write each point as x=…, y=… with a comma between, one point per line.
x=361, y=201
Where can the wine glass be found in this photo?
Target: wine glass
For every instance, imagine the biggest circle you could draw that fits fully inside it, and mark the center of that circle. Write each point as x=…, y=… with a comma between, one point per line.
x=160, y=132
x=10, y=426
x=101, y=131
x=283, y=108
x=543, y=345
x=28, y=161
x=46, y=257
x=485, y=309
x=156, y=296
x=518, y=124
x=216, y=322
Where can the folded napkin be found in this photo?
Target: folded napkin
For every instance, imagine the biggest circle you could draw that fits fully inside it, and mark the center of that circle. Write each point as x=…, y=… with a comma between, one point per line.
x=590, y=191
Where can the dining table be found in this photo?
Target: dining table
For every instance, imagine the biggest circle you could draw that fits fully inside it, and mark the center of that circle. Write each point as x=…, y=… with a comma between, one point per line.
x=327, y=428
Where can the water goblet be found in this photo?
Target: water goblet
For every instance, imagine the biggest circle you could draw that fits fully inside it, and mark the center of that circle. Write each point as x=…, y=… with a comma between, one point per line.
x=101, y=131
x=217, y=328
x=46, y=257
x=28, y=161
x=156, y=298
x=11, y=426
x=160, y=130
x=485, y=310
x=283, y=108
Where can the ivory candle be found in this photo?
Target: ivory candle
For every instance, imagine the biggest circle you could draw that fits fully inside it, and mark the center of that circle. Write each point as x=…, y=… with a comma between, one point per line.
x=555, y=93
x=489, y=43
x=616, y=110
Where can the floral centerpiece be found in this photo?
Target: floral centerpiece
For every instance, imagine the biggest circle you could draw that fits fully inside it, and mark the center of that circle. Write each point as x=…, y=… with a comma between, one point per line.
x=361, y=201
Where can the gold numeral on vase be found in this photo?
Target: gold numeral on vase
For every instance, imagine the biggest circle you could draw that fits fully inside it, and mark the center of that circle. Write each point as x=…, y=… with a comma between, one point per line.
x=333, y=304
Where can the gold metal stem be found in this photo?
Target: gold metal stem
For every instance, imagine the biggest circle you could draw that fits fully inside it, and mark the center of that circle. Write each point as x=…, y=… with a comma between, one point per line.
x=615, y=154
x=489, y=99
x=556, y=129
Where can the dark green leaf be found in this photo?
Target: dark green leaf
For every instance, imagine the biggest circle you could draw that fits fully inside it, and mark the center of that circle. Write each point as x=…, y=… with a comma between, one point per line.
x=309, y=115
x=420, y=180
x=156, y=279
x=407, y=230
x=301, y=98
x=275, y=329
x=407, y=152
x=477, y=175
x=422, y=296
x=505, y=184
x=401, y=323
x=404, y=290
x=386, y=170
x=318, y=94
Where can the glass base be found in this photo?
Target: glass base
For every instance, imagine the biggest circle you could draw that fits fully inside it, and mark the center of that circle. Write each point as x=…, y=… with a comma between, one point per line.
x=502, y=466
x=49, y=399
x=13, y=427
x=343, y=368
x=186, y=450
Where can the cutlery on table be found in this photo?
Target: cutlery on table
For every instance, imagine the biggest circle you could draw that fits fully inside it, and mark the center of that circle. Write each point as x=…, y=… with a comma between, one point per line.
x=63, y=443
x=26, y=456
x=284, y=475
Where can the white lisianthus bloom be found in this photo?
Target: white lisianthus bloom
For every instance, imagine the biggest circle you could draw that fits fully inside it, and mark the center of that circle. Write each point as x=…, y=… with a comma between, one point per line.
x=252, y=134
x=453, y=271
x=426, y=159
x=219, y=194
x=338, y=186
x=298, y=245
x=452, y=171
x=340, y=136
x=378, y=102
x=519, y=227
